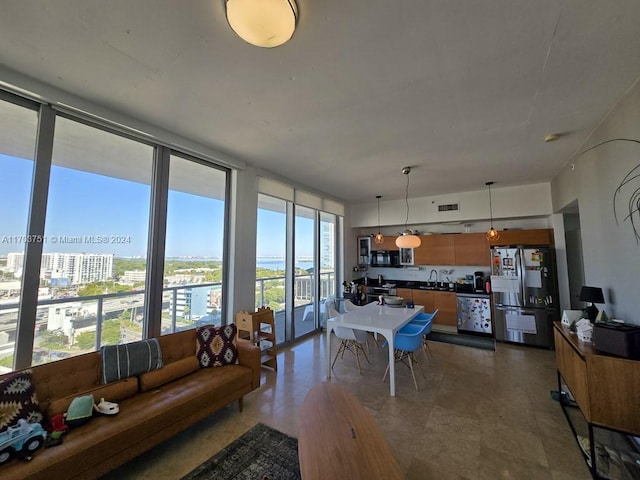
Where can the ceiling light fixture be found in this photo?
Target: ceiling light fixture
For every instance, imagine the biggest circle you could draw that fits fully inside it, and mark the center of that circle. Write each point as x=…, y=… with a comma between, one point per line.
x=492, y=234
x=379, y=238
x=552, y=137
x=407, y=239
x=263, y=23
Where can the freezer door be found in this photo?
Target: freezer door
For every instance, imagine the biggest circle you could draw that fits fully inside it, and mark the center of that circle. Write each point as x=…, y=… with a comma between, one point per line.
x=506, y=277
x=538, y=277
x=531, y=326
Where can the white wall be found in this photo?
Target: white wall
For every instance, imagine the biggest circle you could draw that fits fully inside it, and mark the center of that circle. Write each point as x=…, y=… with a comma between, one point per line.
x=611, y=250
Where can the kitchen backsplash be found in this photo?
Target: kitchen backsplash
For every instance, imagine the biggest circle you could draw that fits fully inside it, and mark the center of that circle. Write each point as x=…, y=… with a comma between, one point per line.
x=422, y=273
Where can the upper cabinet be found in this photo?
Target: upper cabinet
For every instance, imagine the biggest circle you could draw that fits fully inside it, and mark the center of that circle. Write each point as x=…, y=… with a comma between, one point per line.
x=541, y=236
x=389, y=243
x=471, y=249
x=435, y=250
x=364, y=250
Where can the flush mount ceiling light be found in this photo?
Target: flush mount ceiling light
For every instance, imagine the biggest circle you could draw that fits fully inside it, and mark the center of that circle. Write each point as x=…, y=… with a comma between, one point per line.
x=492, y=234
x=552, y=137
x=263, y=23
x=407, y=239
x=379, y=238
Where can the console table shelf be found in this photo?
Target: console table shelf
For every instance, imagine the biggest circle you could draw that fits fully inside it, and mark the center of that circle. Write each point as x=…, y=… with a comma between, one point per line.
x=604, y=388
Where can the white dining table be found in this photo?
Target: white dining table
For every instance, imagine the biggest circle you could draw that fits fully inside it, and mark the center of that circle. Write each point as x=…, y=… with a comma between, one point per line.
x=375, y=318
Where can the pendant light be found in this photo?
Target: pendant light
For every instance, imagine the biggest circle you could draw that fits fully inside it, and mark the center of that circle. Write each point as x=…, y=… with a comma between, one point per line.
x=492, y=234
x=379, y=238
x=263, y=23
x=407, y=239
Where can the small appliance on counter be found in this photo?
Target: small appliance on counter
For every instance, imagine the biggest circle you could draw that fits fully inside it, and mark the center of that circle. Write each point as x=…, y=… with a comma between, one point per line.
x=478, y=282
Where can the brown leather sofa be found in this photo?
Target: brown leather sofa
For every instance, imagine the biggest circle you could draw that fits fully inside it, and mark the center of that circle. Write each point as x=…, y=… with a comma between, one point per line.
x=153, y=406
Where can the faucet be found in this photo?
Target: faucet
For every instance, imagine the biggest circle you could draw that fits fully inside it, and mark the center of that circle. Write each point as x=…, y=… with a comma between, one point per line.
x=431, y=274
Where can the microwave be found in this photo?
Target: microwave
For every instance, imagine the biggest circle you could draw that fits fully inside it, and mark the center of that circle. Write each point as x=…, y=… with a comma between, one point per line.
x=385, y=258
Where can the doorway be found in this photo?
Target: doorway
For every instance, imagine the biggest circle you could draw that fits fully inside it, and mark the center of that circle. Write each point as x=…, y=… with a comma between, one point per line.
x=575, y=265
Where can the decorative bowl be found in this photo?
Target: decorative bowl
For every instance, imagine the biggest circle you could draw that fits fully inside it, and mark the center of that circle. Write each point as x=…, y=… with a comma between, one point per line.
x=392, y=300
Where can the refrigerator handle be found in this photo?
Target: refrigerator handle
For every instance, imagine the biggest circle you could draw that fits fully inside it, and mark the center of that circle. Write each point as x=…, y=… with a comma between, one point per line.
x=521, y=274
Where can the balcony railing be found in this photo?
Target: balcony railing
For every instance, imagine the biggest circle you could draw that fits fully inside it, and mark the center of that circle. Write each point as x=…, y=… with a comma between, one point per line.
x=75, y=325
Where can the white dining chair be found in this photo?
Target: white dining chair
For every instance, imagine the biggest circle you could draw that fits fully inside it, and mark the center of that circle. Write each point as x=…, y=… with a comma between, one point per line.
x=352, y=340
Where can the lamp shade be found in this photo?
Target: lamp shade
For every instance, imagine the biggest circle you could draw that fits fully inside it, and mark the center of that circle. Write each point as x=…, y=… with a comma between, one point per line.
x=408, y=240
x=591, y=294
x=263, y=23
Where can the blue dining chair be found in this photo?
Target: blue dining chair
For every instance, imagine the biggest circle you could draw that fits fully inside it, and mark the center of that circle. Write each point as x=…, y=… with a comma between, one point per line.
x=424, y=319
x=407, y=340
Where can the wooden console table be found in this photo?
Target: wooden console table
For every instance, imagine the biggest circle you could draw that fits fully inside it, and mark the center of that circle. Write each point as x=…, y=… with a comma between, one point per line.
x=606, y=389
x=337, y=438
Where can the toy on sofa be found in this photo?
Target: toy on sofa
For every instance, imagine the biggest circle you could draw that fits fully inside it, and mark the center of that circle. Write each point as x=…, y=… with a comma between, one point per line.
x=23, y=439
x=106, y=408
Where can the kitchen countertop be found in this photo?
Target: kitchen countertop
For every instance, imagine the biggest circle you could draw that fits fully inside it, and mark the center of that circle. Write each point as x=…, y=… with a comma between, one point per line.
x=416, y=285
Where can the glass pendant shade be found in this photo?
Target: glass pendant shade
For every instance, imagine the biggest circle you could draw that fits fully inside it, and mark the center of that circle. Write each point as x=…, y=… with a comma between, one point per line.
x=263, y=23
x=408, y=240
x=492, y=233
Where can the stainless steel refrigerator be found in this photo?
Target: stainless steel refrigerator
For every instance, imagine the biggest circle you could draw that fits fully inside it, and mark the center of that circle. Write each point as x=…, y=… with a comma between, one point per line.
x=525, y=294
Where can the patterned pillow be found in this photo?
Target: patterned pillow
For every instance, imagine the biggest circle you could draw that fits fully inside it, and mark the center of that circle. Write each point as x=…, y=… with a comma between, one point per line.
x=18, y=400
x=216, y=346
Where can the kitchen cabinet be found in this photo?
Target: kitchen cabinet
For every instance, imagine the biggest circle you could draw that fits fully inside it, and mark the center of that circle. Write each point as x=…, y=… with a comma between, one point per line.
x=471, y=249
x=435, y=250
x=364, y=250
x=406, y=293
x=424, y=298
x=447, y=306
x=389, y=243
x=534, y=237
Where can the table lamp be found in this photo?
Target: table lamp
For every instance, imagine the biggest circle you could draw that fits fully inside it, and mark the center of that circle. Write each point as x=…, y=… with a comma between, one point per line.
x=592, y=295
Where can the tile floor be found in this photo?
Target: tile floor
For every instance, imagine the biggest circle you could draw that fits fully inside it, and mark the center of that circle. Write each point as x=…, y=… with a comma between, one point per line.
x=477, y=415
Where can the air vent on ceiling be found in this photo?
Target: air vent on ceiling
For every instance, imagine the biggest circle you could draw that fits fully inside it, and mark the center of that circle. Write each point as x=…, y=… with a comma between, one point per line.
x=451, y=207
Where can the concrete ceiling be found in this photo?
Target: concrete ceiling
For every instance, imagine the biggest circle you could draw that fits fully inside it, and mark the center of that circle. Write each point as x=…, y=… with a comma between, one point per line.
x=463, y=91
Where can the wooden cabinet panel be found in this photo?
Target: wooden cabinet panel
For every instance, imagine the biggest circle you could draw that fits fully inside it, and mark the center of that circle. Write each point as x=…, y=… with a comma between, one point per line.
x=435, y=250
x=471, y=249
x=388, y=244
x=574, y=371
x=424, y=298
x=447, y=307
x=406, y=293
x=541, y=236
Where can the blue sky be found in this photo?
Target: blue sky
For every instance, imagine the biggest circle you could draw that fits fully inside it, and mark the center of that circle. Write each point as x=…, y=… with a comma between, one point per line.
x=89, y=205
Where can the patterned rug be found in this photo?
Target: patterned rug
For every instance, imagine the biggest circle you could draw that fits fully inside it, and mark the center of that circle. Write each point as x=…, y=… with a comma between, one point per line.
x=262, y=453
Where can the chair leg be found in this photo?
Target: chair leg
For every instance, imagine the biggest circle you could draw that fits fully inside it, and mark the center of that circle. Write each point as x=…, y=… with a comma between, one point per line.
x=364, y=351
x=385, y=373
x=355, y=344
x=411, y=367
x=340, y=349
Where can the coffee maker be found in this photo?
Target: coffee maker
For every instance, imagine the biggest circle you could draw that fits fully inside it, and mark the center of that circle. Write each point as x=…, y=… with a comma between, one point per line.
x=478, y=282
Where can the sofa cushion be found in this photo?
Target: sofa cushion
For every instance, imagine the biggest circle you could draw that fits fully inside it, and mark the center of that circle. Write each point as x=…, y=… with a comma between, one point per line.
x=18, y=400
x=113, y=392
x=130, y=359
x=168, y=373
x=216, y=346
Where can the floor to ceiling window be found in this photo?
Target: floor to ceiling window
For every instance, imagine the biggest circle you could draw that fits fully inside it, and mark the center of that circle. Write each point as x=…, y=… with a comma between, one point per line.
x=91, y=276
x=271, y=254
x=305, y=271
x=94, y=260
x=327, y=278
x=17, y=144
x=193, y=269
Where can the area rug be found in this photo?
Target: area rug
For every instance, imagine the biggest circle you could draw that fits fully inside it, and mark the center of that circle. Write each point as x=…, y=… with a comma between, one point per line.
x=262, y=453
x=484, y=343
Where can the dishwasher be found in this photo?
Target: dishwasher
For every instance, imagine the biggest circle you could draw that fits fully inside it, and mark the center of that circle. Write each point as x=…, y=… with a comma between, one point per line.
x=474, y=313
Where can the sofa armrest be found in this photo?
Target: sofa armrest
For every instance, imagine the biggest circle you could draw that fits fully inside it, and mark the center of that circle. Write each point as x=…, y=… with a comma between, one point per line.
x=249, y=356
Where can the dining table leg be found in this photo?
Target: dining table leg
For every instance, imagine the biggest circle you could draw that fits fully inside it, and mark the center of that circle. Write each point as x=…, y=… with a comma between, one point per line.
x=392, y=365
x=328, y=353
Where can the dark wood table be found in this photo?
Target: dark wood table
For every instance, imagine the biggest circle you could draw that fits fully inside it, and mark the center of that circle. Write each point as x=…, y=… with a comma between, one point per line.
x=337, y=438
